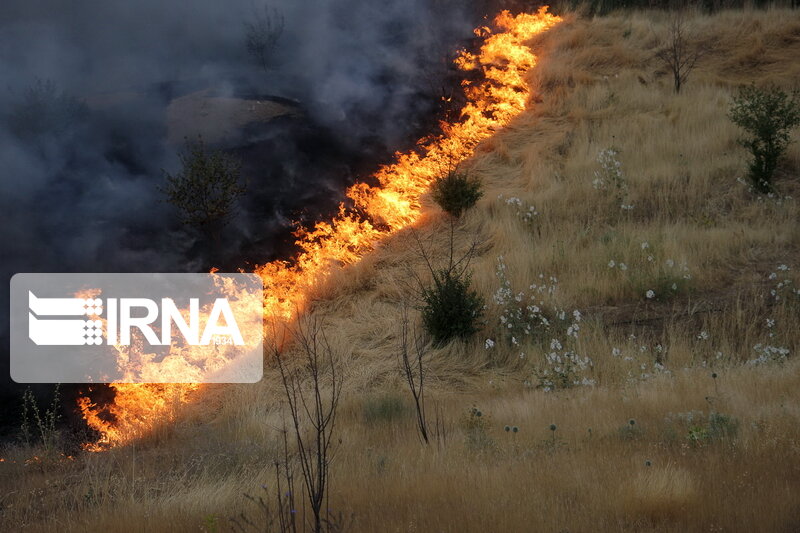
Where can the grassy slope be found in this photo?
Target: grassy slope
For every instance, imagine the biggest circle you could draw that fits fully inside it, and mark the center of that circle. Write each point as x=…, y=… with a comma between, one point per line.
x=597, y=86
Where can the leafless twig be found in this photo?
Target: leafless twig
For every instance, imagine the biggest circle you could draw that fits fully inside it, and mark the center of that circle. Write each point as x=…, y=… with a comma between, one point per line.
x=312, y=391
x=681, y=51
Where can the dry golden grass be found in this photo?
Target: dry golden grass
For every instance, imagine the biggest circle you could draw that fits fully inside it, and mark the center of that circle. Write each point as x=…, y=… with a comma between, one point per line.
x=703, y=453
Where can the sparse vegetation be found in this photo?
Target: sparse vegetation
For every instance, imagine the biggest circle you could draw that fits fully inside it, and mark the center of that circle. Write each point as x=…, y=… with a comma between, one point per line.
x=768, y=116
x=39, y=429
x=384, y=409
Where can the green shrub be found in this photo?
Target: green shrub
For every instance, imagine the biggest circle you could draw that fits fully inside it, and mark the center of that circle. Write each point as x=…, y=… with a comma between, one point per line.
x=451, y=308
x=719, y=428
x=385, y=408
x=767, y=115
x=206, y=188
x=722, y=427
x=456, y=192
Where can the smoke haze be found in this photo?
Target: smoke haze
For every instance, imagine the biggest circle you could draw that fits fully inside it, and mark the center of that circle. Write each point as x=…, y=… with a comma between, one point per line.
x=83, y=137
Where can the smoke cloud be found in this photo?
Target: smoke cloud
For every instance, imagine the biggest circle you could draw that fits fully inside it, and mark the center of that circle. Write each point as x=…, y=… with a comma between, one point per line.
x=83, y=136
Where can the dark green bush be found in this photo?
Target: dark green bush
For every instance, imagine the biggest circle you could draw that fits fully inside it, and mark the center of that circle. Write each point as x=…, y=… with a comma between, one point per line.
x=456, y=192
x=767, y=115
x=451, y=308
x=722, y=427
x=385, y=408
x=206, y=188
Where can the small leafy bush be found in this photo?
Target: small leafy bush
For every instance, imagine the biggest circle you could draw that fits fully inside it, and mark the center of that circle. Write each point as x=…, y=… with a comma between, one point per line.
x=722, y=427
x=767, y=115
x=456, y=192
x=718, y=428
x=385, y=408
x=451, y=308
x=207, y=187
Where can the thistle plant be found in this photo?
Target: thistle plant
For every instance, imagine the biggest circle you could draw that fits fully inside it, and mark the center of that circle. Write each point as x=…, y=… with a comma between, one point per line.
x=532, y=317
x=630, y=430
x=641, y=360
x=609, y=177
x=523, y=210
x=650, y=277
x=783, y=292
x=476, y=427
x=553, y=443
x=522, y=313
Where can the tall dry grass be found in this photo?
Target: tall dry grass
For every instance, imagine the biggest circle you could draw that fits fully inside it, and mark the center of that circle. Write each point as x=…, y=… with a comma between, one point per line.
x=703, y=453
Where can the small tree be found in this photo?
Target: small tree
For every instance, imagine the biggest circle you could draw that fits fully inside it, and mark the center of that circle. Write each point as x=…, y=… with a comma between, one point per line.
x=452, y=309
x=768, y=116
x=44, y=109
x=206, y=188
x=261, y=34
x=680, y=52
x=456, y=192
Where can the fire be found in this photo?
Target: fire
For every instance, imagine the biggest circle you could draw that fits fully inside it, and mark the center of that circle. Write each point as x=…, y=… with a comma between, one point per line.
x=377, y=212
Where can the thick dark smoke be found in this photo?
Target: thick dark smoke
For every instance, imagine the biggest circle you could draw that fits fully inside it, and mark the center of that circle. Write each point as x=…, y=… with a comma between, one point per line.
x=83, y=96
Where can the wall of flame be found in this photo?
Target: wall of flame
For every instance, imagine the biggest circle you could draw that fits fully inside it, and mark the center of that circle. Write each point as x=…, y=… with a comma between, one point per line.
x=499, y=95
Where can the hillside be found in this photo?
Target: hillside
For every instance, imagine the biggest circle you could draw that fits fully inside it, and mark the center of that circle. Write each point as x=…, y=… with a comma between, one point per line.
x=670, y=410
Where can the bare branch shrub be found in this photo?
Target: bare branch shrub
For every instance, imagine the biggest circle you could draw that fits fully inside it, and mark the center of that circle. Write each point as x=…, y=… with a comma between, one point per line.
x=680, y=51
x=414, y=373
x=262, y=33
x=313, y=389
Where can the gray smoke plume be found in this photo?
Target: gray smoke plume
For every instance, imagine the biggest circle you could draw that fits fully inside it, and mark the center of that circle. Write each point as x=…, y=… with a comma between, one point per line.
x=85, y=88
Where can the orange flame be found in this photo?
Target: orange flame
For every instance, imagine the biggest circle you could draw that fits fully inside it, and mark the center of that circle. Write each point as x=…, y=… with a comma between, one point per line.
x=501, y=94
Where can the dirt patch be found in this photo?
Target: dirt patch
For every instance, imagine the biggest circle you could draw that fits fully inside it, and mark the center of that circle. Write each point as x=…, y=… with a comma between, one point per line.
x=218, y=119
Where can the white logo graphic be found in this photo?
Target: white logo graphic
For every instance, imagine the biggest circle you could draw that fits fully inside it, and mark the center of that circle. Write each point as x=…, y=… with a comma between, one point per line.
x=78, y=332
x=136, y=328
x=61, y=331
